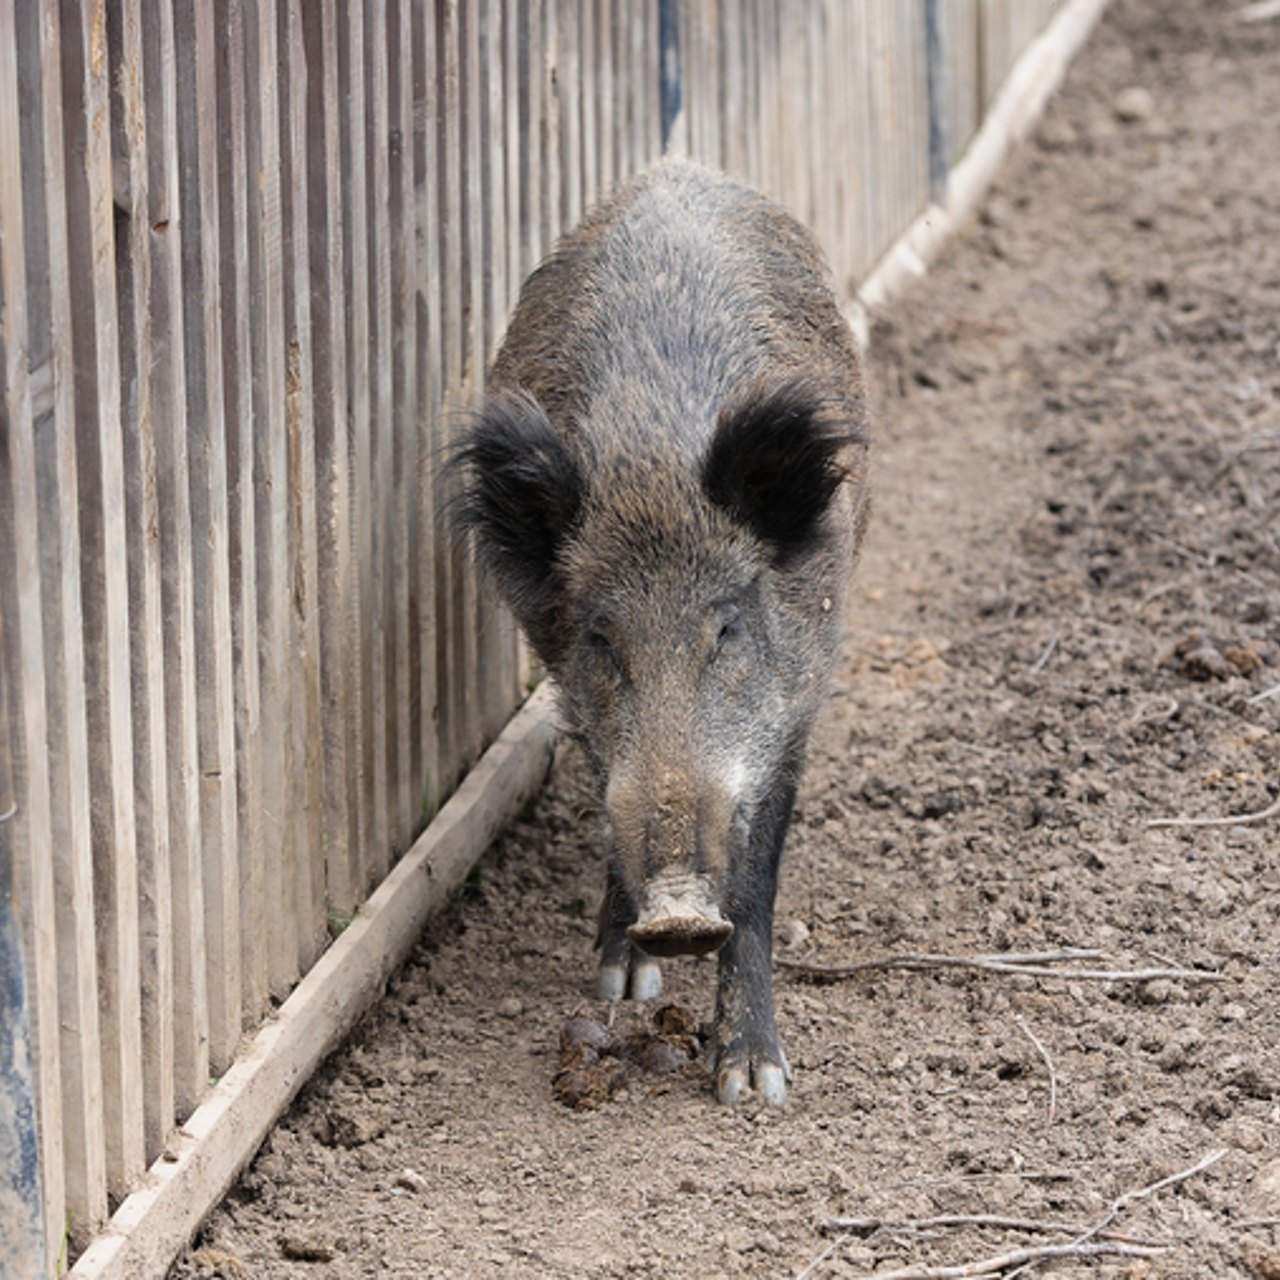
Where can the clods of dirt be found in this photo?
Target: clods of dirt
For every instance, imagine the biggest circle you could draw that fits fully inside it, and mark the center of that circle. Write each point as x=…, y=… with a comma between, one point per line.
x=1197, y=657
x=595, y=1063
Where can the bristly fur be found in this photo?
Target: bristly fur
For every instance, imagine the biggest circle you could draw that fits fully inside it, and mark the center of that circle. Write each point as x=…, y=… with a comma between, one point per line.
x=774, y=464
x=520, y=494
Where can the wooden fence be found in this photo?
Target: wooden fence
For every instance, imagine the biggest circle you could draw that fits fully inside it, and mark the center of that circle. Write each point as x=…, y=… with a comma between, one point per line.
x=254, y=255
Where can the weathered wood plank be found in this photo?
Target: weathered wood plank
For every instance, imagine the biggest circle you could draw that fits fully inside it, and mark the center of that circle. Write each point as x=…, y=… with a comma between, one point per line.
x=428, y=300
x=307, y=728
x=381, y=434
x=24, y=106
x=193, y=43
x=206, y=482
x=275, y=552
x=401, y=206
x=368, y=659
x=68, y=516
x=145, y=263
x=344, y=876
x=455, y=682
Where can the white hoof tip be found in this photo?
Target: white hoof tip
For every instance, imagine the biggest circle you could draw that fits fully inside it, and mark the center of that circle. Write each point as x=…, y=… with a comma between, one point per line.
x=613, y=982
x=731, y=1086
x=771, y=1084
x=646, y=980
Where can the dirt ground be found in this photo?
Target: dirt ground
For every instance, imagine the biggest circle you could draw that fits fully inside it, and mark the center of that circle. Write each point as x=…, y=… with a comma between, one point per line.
x=1067, y=624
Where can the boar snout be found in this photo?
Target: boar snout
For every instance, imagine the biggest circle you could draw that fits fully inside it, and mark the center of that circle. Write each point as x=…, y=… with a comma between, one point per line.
x=679, y=916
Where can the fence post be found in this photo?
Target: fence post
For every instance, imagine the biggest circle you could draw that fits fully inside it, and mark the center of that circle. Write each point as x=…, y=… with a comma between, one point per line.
x=21, y=1210
x=936, y=70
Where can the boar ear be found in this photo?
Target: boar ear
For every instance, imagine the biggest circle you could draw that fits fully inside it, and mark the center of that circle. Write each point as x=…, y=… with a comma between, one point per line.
x=774, y=464
x=520, y=492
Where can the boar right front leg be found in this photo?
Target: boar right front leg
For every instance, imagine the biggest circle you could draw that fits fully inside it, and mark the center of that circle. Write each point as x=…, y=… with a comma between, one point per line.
x=748, y=1051
x=624, y=968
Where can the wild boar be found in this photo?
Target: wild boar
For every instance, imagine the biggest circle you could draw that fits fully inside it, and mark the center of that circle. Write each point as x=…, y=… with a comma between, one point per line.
x=667, y=483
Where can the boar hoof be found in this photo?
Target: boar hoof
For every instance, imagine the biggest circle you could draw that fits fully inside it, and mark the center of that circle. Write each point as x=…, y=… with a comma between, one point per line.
x=646, y=978
x=735, y=1078
x=643, y=973
x=613, y=982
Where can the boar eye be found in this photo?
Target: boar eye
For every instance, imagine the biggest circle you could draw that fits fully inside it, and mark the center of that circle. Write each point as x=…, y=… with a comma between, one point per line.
x=730, y=629
x=603, y=648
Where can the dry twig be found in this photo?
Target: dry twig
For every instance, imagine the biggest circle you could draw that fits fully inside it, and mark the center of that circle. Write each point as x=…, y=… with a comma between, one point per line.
x=1019, y=1258
x=1131, y=1196
x=823, y=1256
x=1048, y=1062
x=1273, y=692
x=866, y=1227
x=1261, y=816
x=1097, y=1241
x=1260, y=11
x=1029, y=964
x=1164, y=709
x=1043, y=660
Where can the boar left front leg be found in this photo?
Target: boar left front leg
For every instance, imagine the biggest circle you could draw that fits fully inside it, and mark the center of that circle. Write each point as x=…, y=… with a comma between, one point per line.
x=748, y=1051
x=624, y=968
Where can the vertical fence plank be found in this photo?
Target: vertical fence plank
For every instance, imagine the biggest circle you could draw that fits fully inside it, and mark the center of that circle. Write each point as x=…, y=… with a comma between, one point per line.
x=608, y=128
x=402, y=339
x=300, y=414
x=338, y=685
x=24, y=108
x=205, y=464
x=569, y=79
x=382, y=534
x=72, y=429
x=546, y=67
x=456, y=687
x=138, y=73
x=274, y=567
x=193, y=43
x=234, y=361
x=589, y=99
x=473, y=649
x=369, y=658
x=498, y=677
x=105, y=597
x=429, y=301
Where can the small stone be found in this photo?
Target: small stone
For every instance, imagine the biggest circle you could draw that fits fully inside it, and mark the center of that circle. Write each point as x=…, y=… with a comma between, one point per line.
x=412, y=1180
x=510, y=1007
x=1246, y=1135
x=793, y=934
x=300, y=1249
x=1057, y=134
x=1134, y=104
